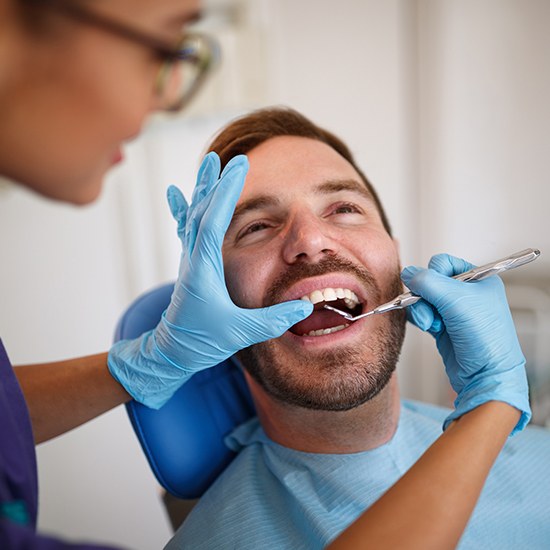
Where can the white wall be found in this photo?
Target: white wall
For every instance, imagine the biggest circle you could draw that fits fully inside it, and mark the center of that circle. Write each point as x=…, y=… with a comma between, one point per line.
x=485, y=83
x=484, y=119
x=444, y=103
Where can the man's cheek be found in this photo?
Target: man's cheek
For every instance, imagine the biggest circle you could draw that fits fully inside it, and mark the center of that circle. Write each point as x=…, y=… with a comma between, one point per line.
x=231, y=277
x=240, y=286
x=388, y=263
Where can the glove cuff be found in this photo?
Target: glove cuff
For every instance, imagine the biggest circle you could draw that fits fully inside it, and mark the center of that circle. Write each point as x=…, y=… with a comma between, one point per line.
x=144, y=372
x=511, y=389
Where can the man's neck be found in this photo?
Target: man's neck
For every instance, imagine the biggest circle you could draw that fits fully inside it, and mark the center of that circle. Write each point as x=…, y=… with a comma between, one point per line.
x=330, y=432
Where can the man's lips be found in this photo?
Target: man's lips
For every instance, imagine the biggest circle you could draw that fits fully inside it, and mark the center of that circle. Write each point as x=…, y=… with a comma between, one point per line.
x=333, y=289
x=335, y=281
x=319, y=323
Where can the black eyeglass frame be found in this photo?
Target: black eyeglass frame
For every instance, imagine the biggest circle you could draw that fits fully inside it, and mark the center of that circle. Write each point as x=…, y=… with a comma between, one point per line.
x=165, y=52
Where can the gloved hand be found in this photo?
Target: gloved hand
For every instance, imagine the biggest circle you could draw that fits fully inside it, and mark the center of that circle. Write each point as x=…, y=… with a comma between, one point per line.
x=202, y=326
x=475, y=335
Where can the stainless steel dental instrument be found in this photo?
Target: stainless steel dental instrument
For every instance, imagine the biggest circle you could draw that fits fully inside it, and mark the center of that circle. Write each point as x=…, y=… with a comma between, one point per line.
x=408, y=298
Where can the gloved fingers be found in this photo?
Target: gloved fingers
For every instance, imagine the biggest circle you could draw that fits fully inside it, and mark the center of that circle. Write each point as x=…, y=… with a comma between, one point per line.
x=209, y=173
x=206, y=192
x=431, y=285
x=449, y=265
x=221, y=204
x=237, y=161
x=452, y=266
x=271, y=322
x=206, y=181
x=425, y=317
x=179, y=208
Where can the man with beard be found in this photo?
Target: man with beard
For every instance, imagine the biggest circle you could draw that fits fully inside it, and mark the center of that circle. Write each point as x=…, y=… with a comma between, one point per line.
x=332, y=434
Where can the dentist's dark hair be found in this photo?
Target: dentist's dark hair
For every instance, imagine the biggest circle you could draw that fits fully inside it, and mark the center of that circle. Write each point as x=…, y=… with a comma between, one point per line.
x=247, y=132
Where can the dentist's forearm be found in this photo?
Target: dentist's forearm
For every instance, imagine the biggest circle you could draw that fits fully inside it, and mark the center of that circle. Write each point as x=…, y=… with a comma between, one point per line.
x=429, y=507
x=65, y=394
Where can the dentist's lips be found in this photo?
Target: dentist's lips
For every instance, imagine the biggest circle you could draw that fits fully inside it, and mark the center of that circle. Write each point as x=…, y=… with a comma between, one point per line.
x=117, y=157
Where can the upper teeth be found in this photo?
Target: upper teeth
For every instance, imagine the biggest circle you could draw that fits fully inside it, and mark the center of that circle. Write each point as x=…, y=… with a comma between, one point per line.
x=331, y=294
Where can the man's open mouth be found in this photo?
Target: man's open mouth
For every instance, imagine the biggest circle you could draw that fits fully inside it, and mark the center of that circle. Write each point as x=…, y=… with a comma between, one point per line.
x=322, y=321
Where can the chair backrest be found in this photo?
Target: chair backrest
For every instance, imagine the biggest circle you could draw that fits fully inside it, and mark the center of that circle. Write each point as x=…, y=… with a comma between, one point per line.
x=183, y=440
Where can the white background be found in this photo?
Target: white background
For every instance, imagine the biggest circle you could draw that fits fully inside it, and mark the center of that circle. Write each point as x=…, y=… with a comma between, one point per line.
x=445, y=105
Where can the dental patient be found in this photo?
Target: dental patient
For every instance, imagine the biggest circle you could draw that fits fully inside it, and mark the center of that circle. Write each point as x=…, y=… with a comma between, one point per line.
x=332, y=434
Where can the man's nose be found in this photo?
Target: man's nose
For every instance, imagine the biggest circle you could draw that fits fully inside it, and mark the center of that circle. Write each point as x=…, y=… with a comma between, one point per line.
x=307, y=239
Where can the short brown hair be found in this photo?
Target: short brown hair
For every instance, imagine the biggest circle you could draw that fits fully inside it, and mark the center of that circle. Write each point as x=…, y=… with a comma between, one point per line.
x=247, y=132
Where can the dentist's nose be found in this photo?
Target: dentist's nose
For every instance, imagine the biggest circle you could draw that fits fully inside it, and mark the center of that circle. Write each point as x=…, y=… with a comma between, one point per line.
x=307, y=240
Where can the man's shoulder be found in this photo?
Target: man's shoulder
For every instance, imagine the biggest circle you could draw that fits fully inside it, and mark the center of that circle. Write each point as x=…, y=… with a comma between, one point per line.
x=233, y=499
x=532, y=439
x=531, y=447
x=235, y=508
x=513, y=510
x=236, y=501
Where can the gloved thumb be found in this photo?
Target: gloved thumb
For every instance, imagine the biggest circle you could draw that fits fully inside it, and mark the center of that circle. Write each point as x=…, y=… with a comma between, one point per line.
x=421, y=315
x=277, y=319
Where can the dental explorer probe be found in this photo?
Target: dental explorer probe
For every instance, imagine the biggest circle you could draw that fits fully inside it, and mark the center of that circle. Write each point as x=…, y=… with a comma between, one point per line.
x=477, y=274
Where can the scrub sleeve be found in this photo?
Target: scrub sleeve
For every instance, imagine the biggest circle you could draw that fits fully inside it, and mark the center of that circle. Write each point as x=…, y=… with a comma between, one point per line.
x=18, y=472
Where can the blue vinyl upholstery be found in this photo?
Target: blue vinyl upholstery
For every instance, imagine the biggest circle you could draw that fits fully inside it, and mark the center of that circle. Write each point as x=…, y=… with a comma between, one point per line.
x=183, y=440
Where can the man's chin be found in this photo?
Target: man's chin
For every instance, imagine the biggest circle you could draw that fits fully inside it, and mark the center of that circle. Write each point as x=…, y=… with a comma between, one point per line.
x=330, y=380
x=306, y=372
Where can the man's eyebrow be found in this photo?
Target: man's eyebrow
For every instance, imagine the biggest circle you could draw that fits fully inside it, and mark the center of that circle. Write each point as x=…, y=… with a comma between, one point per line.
x=326, y=188
x=257, y=203
x=334, y=186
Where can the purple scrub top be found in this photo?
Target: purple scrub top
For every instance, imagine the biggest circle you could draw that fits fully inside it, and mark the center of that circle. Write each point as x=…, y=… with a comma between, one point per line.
x=18, y=473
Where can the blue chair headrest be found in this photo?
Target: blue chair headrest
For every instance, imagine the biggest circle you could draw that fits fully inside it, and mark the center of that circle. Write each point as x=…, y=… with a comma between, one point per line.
x=183, y=440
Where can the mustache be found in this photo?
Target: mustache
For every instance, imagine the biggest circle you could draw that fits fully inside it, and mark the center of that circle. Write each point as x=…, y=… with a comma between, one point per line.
x=329, y=264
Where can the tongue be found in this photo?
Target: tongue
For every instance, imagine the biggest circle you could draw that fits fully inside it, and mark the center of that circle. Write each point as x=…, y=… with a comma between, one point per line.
x=318, y=320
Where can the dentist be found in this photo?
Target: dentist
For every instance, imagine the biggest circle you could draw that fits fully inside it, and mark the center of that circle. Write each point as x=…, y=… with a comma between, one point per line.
x=77, y=80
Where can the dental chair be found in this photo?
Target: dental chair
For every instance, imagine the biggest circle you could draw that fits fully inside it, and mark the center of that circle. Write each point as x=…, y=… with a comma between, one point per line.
x=183, y=440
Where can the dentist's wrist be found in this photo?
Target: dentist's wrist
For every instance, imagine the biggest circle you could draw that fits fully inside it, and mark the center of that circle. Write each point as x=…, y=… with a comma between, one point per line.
x=508, y=387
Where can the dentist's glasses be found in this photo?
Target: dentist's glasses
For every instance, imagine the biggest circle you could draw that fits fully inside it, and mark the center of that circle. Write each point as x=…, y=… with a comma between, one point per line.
x=184, y=71
x=184, y=68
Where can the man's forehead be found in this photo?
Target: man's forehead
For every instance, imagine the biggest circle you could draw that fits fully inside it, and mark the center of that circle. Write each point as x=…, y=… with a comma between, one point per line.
x=295, y=160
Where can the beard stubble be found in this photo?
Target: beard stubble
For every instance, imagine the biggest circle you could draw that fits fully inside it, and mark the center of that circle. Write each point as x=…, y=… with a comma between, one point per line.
x=333, y=380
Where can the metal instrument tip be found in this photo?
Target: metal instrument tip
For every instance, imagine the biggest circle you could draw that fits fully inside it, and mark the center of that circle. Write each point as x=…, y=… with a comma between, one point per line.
x=347, y=315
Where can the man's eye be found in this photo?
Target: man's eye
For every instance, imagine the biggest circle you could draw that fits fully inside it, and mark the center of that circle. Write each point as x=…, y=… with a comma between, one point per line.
x=252, y=228
x=347, y=208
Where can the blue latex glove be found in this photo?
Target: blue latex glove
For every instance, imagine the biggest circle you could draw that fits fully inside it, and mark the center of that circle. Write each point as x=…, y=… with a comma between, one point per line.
x=202, y=326
x=475, y=335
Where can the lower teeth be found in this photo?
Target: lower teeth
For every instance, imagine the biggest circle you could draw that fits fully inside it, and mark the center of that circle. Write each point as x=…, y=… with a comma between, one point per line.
x=323, y=331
